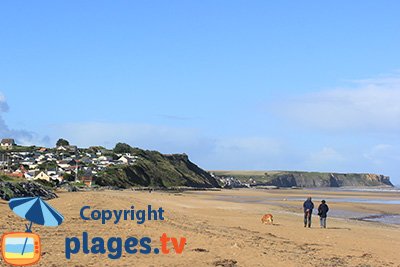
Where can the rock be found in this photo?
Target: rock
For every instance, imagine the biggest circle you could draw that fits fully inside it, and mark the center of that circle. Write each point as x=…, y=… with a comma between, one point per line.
x=10, y=190
x=226, y=263
x=66, y=186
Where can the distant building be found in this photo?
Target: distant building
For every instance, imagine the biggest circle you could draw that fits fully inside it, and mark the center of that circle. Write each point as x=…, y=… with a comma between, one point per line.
x=7, y=143
x=70, y=149
x=87, y=178
x=43, y=176
x=124, y=160
x=61, y=148
x=42, y=149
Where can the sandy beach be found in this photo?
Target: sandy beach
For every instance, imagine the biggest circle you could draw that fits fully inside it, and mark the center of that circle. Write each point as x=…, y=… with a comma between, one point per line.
x=223, y=228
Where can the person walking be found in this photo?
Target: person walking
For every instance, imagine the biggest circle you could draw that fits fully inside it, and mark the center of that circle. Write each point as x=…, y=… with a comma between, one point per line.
x=322, y=212
x=308, y=206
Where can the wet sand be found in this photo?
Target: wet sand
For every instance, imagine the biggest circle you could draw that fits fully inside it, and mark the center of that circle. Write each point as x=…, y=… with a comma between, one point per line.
x=223, y=230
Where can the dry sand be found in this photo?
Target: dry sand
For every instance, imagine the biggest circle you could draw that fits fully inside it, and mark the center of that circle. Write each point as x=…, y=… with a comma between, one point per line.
x=222, y=231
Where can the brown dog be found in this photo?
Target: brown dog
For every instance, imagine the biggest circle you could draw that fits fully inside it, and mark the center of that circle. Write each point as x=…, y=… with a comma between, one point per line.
x=267, y=219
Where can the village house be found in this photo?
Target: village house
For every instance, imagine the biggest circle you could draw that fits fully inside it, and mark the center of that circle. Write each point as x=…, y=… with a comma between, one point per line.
x=43, y=176
x=20, y=172
x=7, y=143
x=103, y=161
x=66, y=163
x=61, y=148
x=57, y=177
x=29, y=175
x=87, y=178
x=71, y=149
x=53, y=164
x=124, y=160
x=42, y=149
x=32, y=166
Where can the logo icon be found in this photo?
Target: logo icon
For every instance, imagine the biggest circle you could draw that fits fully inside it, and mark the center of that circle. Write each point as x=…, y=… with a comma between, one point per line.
x=24, y=248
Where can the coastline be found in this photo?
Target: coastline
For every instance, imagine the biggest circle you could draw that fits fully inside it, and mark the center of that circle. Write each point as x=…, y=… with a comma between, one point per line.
x=348, y=203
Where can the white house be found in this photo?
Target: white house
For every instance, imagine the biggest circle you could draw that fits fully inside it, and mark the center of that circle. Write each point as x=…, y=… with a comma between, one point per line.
x=43, y=176
x=124, y=160
x=72, y=149
x=57, y=177
x=29, y=175
x=7, y=143
x=104, y=158
x=61, y=148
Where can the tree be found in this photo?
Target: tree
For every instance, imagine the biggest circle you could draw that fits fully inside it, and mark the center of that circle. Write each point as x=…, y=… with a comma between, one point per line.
x=69, y=177
x=122, y=148
x=47, y=165
x=62, y=142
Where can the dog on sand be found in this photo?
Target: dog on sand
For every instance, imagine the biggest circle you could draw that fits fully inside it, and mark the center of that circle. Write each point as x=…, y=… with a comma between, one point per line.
x=267, y=219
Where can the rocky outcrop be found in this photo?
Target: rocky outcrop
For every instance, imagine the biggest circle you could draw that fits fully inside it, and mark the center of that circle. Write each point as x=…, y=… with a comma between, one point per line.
x=10, y=190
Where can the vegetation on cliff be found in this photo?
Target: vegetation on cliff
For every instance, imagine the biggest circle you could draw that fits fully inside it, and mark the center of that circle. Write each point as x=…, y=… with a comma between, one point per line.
x=153, y=169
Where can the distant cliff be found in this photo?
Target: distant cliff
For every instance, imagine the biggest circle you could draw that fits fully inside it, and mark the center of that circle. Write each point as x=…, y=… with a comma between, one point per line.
x=305, y=179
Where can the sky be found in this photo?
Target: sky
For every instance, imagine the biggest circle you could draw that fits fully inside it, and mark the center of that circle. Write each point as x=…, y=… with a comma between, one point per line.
x=240, y=85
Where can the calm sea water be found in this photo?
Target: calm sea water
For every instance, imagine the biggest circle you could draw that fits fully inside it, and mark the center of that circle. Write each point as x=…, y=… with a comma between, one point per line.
x=352, y=200
x=338, y=213
x=389, y=219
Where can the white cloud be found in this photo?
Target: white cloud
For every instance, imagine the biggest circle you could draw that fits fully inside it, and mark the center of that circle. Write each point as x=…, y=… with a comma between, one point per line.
x=382, y=154
x=3, y=103
x=22, y=137
x=326, y=157
x=370, y=105
x=158, y=137
x=384, y=157
x=252, y=153
x=253, y=145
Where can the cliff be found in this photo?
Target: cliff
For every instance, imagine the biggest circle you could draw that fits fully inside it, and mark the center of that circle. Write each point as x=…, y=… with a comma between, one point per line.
x=153, y=169
x=306, y=179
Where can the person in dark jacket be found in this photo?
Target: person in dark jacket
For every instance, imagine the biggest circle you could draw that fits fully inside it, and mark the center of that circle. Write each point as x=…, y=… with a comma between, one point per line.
x=322, y=212
x=308, y=206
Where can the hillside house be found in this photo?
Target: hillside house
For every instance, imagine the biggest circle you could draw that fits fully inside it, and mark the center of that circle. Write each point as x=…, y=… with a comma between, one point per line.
x=87, y=178
x=70, y=149
x=43, y=176
x=30, y=175
x=57, y=177
x=61, y=148
x=67, y=163
x=124, y=160
x=7, y=143
x=17, y=174
x=20, y=172
x=42, y=150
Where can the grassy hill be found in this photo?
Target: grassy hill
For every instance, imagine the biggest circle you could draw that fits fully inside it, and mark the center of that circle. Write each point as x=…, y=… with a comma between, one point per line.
x=154, y=169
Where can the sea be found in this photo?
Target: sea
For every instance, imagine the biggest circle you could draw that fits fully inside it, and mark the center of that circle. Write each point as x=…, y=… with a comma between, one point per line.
x=392, y=219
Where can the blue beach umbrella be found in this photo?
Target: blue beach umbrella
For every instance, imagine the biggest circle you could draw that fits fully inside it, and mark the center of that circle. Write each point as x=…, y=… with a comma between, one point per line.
x=35, y=210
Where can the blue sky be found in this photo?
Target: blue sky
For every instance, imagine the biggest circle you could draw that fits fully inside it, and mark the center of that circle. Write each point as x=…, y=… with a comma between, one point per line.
x=234, y=84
